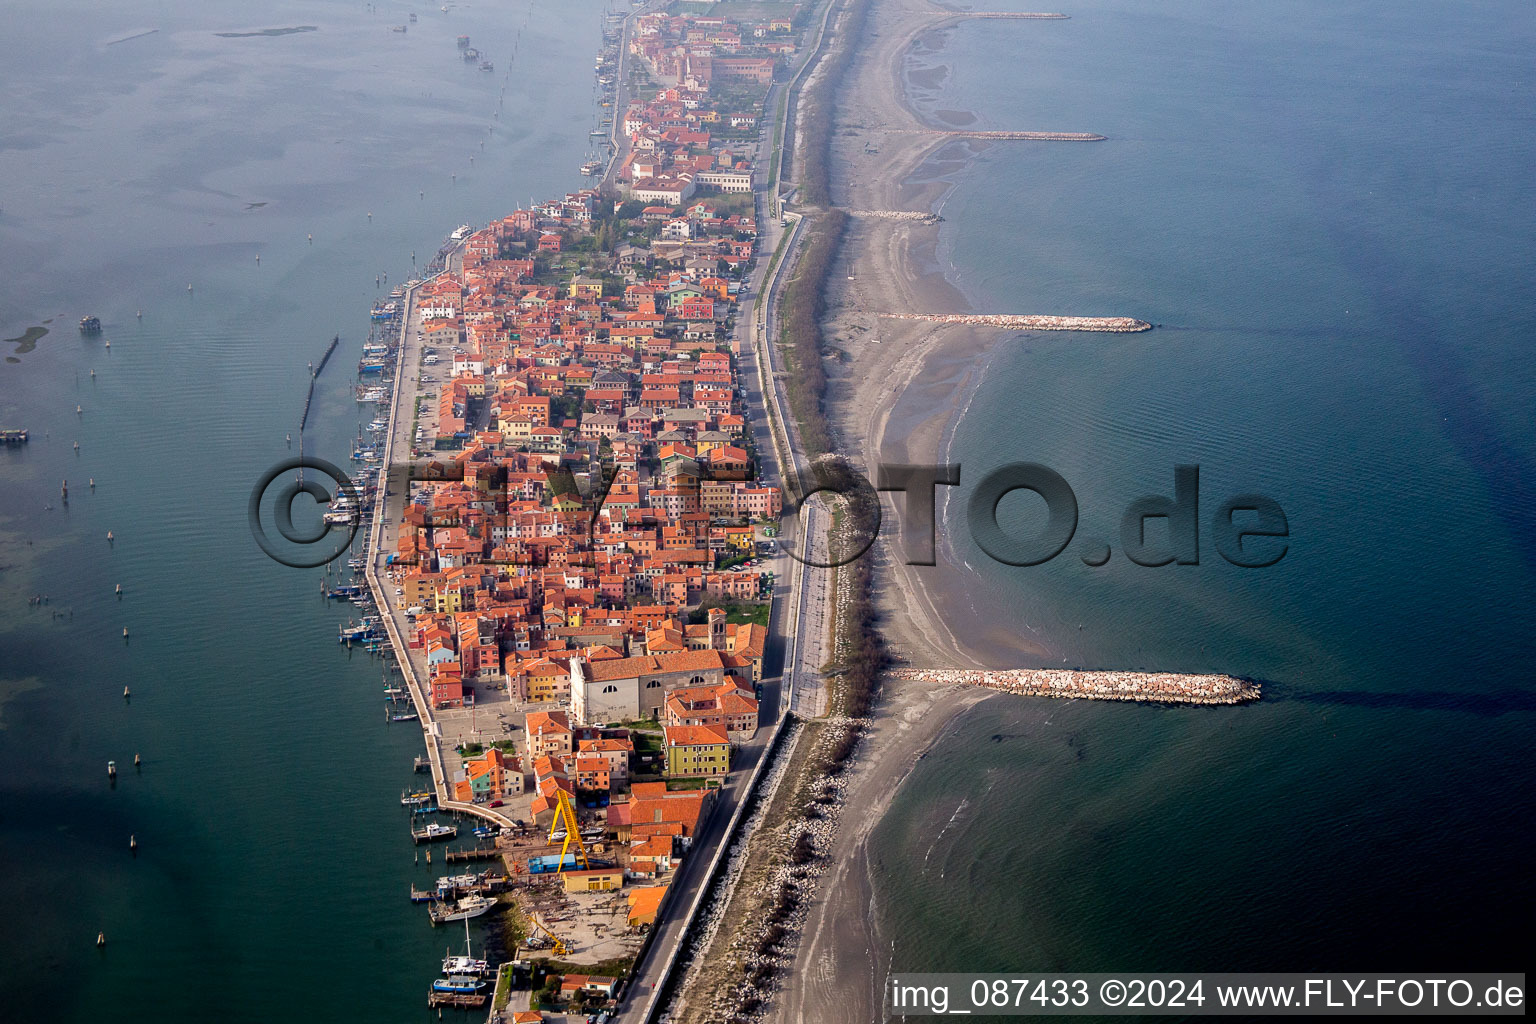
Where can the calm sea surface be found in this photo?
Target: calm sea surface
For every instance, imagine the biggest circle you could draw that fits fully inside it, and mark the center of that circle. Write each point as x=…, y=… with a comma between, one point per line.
x=273, y=860
x=1327, y=208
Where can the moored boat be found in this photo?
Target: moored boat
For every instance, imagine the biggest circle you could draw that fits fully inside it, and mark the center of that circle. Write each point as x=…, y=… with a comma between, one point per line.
x=464, y=965
x=463, y=910
x=434, y=833
x=458, y=984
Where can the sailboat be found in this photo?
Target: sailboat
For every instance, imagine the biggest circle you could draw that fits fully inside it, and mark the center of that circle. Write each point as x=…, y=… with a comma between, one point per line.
x=466, y=964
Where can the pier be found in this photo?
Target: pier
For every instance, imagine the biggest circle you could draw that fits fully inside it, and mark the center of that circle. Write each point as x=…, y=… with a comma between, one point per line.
x=1074, y=684
x=479, y=853
x=1030, y=321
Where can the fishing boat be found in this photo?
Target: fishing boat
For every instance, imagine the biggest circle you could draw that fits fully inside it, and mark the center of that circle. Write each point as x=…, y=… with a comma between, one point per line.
x=591, y=167
x=433, y=833
x=345, y=590
x=414, y=799
x=90, y=325
x=463, y=910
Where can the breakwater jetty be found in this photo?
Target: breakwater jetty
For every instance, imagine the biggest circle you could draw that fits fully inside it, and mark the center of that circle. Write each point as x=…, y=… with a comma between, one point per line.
x=909, y=215
x=1019, y=136
x=1030, y=321
x=1072, y=684
x=1008, y=15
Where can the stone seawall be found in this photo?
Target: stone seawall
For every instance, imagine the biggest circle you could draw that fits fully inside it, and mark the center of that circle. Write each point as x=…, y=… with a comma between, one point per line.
x=1070, y=684
x=1030, y=322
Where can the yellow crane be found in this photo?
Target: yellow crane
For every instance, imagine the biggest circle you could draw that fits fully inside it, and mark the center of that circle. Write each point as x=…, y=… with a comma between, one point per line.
x=559, y=948
x=565, y=818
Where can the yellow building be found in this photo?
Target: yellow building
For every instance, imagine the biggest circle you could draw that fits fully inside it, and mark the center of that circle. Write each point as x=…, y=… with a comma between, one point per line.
x=697, y=750
x=593, y=880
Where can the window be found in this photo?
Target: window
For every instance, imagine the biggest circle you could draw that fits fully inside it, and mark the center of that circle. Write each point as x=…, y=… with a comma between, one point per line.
x=696, y=681
x=610, y=689
x=653, y=684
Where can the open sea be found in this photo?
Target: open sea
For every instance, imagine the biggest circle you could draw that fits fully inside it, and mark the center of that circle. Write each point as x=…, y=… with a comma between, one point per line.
x=1326, y=208
x=147, y=145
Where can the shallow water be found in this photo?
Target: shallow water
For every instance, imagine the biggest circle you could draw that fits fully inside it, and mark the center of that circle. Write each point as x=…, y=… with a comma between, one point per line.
x=1324, y=208
x=273, y=860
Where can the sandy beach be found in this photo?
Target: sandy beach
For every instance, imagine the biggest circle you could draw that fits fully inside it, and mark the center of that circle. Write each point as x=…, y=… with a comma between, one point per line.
x=894, y=392
x=896, y=386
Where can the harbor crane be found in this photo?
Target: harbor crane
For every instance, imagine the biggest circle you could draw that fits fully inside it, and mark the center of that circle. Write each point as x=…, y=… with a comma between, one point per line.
x=565, y=819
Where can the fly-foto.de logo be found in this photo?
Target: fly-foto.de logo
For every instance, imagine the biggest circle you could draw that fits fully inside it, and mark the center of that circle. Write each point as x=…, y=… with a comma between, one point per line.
x=1247, y=530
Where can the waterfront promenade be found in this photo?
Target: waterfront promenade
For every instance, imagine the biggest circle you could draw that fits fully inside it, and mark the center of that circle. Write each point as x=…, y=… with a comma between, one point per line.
x=389, y=506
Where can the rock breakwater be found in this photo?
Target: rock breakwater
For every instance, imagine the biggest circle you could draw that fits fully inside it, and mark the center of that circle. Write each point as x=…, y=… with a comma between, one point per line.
x=1030, y=321
x=1072, y=684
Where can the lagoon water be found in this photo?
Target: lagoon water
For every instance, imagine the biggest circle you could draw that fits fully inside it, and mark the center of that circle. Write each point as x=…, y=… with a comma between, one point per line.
x=1326, y=208
x=273, y=860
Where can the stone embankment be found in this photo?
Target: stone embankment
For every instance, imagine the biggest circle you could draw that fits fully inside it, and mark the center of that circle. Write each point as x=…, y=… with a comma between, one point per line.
x=1156, y=687
x=1030, y=321
x=736, y=984
x=1029, y=15
x=909, y=215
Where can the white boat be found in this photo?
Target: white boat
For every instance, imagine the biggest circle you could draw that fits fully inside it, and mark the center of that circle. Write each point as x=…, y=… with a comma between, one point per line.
x=463, y=910
x=434, y=832
x=448, y=883
x=465, y=965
